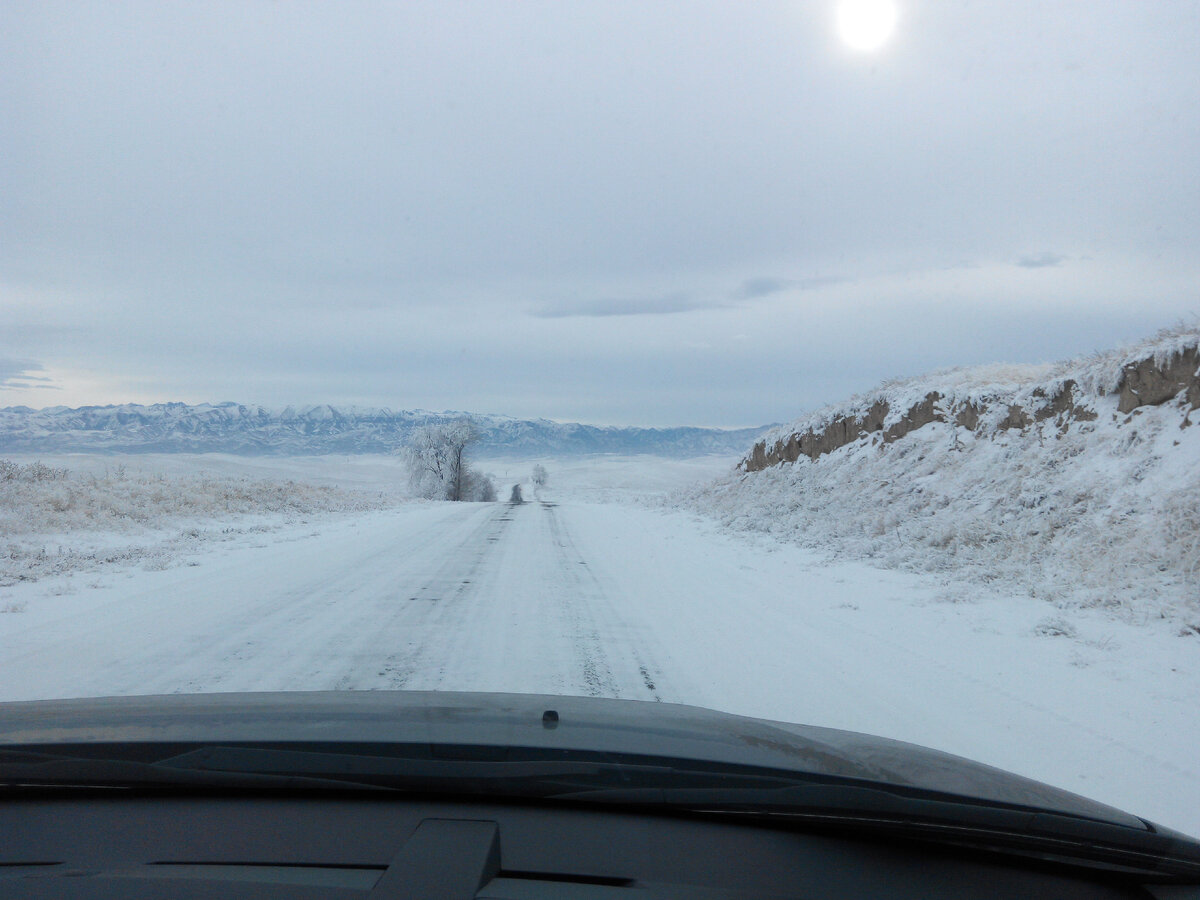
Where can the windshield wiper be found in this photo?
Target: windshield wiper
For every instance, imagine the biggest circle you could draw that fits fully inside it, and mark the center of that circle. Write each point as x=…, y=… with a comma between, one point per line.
x=25, y=770
x=536, y=777
x=238, y=766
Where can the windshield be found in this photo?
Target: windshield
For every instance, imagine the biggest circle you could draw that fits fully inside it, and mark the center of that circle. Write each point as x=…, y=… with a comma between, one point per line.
x=831, y=362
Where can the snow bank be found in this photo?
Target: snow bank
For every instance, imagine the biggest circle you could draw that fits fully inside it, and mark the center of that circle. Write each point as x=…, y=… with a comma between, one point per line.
x=1078, y=483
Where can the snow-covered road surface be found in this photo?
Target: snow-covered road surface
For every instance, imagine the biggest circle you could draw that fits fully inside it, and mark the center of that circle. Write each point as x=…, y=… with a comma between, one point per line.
x=618, y=601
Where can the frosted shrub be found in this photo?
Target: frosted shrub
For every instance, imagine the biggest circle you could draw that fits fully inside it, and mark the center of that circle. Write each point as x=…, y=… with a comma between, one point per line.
x=35, y=471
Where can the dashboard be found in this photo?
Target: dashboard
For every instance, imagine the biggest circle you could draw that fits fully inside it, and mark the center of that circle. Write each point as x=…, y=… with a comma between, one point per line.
x=98, y=843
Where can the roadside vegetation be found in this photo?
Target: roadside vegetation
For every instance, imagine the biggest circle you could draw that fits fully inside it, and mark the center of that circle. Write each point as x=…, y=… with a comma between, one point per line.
x=53, y=521
x=438, y=467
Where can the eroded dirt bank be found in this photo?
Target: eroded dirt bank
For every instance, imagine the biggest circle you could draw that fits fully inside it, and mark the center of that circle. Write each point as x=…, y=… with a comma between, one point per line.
x=1157, y=376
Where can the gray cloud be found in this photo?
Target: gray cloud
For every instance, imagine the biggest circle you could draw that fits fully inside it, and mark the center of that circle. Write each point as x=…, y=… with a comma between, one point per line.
x=19, y=374
x=328, y=203
x=1044, y=260
x=601, y=308
x=750, y=289
x=765, y=286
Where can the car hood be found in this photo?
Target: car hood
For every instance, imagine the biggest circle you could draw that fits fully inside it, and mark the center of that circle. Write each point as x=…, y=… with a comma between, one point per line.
x=520, y=720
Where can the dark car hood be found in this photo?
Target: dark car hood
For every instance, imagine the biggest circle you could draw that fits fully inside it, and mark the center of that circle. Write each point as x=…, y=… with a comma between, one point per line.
x=517, y=720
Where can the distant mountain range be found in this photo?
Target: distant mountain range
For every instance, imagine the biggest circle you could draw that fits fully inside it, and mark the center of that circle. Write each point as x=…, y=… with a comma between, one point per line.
x=311, y=430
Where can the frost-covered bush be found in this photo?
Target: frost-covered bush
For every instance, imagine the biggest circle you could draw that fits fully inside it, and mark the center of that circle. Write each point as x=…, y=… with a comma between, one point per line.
x=35, y=471
x=479, y=487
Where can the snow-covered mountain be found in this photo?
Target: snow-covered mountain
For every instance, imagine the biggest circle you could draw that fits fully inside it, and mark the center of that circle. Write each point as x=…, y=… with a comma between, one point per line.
x=1078, y=482
x=298, y=431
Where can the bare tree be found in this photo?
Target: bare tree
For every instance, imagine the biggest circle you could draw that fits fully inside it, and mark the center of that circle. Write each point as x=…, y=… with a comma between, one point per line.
x=436, y=456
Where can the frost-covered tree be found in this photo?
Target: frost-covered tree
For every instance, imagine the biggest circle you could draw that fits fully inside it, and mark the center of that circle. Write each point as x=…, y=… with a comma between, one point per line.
x=436, y=456
x=427, y=463
x=539, y=475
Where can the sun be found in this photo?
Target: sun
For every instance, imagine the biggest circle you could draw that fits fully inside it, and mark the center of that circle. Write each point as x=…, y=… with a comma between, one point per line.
x=866, y=24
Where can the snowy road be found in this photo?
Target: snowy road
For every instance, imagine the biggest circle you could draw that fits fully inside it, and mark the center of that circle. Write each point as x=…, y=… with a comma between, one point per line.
x=619, y=601
x=471, y=596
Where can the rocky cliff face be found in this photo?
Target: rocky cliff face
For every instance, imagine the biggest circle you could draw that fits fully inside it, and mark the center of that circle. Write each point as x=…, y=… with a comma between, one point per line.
x=1150, y=381
x=984, y=400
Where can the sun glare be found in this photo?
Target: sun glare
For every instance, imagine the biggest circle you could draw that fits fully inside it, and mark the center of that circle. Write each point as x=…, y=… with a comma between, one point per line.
x=866, y=24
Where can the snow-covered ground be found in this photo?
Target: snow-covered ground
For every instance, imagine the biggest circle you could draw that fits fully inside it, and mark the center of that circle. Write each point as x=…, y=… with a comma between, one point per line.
x=580, y=592
x=606, y=478
x=1092, y=504
x=73, y=515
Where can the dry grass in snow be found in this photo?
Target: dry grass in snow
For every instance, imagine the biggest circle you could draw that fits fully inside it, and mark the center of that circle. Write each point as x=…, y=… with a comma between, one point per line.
x=55, y=522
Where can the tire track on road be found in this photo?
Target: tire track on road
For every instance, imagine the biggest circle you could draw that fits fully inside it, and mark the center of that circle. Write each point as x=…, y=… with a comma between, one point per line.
x=349, y=588
x=594, y=623
x=440, y=611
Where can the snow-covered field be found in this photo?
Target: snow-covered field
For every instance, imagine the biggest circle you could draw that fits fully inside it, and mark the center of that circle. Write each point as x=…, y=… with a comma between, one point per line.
x=72, y=515
x=584, y=591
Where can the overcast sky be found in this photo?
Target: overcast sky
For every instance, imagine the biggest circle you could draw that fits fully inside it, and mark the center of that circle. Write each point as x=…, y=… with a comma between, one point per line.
x=629, y=213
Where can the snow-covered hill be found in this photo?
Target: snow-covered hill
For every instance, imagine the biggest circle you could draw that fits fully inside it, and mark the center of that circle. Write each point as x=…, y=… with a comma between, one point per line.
x=1077, y=482
x=234, y=428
